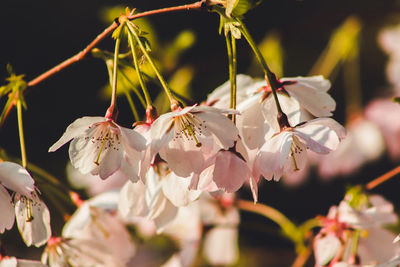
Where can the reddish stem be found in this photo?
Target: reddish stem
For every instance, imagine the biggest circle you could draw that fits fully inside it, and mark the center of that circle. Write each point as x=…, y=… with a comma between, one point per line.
x=105, y=33
x=383, y=178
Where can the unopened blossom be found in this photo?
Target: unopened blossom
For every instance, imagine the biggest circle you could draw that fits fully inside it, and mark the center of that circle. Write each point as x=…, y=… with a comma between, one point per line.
x=185, y=136
x=286, y=151
x=101, y=147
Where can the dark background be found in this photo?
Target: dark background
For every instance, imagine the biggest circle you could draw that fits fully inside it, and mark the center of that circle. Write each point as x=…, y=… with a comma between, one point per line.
x=37, y=35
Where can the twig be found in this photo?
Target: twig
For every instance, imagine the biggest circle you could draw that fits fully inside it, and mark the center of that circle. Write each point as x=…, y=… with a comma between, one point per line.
x=195, y=6
x=383, y=178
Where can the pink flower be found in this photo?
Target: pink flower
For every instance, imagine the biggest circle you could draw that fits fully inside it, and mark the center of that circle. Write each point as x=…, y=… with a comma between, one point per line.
x=184, y=137
x=286, y=151
x=32, y=215
x=101, y=147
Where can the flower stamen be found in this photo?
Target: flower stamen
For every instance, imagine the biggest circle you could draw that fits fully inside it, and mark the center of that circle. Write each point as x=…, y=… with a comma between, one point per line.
x=101, y=149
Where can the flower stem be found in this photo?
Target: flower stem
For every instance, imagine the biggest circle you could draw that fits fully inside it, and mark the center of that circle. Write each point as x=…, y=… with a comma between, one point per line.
x=231, y=49
x=152, y=64
x=383, y=178
x=138, y=72
x=288, y=228
x=132, y=105
x=141, y=99
x=113, y=108
x=272, y=80
x=21, y=131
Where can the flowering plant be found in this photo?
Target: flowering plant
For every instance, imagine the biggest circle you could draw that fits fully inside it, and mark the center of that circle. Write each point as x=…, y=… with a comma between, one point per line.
x=169, y=175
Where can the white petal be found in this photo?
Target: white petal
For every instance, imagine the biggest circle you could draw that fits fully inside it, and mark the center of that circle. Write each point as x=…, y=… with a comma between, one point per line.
x=221, y=246
x=299, y=152
x=110, y=161
x=132, y=138
x=317, y=82
x=163, y=213
x=176, y=189
x=221, y=95
x=8, y=262
x=132, y=200
x=16, y=178
x=320, y=135
x=223, y=129
x=290, y=107
x=252, y=125
x=37, y=230
x=230, y=172
x=130, y=165
x=183, y=157
x=326, y=248
x=83, y=154
x=311, y=93
x=75, y=129
x=273, y=155
x=7, y=210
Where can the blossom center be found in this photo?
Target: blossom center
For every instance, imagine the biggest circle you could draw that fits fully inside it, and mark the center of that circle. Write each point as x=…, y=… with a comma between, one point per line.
x=104, y=136
x=190, y=127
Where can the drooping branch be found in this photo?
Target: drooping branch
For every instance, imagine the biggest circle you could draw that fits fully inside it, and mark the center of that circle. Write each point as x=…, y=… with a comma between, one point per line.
x=195, y=6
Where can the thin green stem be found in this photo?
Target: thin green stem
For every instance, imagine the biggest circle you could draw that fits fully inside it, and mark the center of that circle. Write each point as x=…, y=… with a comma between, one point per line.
x=138, y=72
x=231, y=49
x=115, y=72
x=132, y=105
x=152, y=64
x=141, y=99
x=21, y=131
x=268, y=73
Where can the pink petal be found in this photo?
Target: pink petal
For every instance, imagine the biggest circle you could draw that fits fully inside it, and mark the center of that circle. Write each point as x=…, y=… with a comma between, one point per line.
x=273, y=155
x=230, y=172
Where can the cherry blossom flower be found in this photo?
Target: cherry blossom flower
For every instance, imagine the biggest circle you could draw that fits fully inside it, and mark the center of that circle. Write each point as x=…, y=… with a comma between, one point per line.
x=159, y=200
x=101, y=147
x=357, y=218
x=32, y=215
x=183, y=137
x=94, y=236
x=286, y=151
x=17, y=179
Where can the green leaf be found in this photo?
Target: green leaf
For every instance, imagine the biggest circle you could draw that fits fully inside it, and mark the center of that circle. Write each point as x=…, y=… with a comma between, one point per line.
x=243, y=6
x=396, y=99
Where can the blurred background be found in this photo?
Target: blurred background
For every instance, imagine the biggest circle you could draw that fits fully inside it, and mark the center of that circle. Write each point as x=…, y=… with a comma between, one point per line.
x=334, y=38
